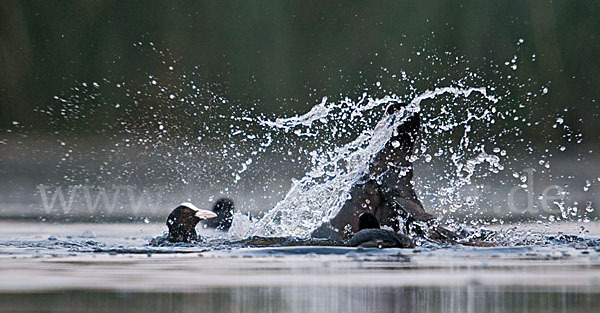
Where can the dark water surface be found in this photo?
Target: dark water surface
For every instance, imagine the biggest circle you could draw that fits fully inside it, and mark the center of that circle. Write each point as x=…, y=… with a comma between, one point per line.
x=472, y=298
x=111, y=268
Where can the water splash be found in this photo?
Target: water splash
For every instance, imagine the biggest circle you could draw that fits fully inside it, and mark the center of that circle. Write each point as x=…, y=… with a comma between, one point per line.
x=187, y=133
x=321, y=193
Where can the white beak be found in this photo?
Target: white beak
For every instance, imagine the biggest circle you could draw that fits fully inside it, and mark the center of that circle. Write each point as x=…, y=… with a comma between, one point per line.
x=202, y=214
x=205, y=214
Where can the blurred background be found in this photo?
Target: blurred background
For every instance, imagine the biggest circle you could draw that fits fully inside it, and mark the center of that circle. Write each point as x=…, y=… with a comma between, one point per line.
x=89, y=89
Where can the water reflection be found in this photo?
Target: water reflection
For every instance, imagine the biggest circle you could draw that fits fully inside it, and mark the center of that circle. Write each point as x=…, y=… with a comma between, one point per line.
x=471, y=298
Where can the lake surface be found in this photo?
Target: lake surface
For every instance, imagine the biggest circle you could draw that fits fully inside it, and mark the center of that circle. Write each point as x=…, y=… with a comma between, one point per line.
x=111, y=268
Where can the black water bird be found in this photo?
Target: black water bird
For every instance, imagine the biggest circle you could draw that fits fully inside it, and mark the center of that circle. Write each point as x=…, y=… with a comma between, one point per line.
x=371, y=235
x=386, y=190
x=224, y=209
x=183, y=220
